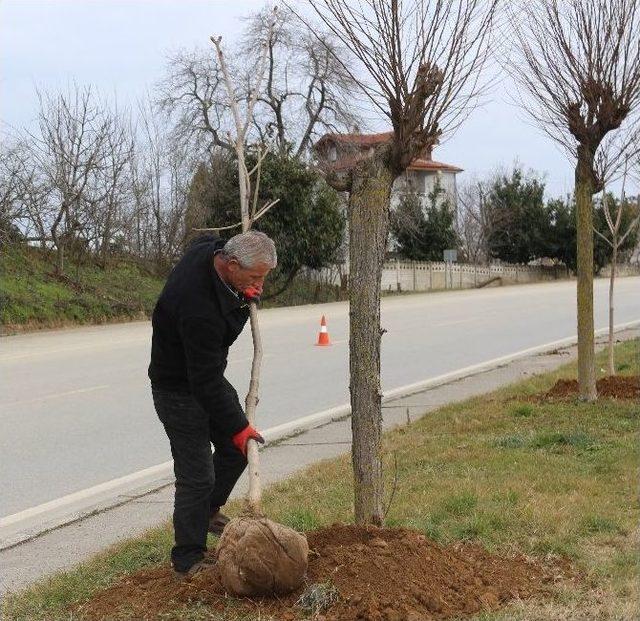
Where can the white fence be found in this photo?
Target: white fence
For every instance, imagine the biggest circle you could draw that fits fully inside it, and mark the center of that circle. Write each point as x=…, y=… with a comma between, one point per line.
x=428, y=276
x=625, y=269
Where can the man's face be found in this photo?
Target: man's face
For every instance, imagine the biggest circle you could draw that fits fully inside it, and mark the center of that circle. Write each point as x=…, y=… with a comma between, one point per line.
x=243, y=277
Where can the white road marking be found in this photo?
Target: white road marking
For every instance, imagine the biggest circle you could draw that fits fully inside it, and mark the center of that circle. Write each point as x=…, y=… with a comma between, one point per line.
x=56, y=395
x=101, y=387
x=64, y=350
x=455, y=323
x=159, y=470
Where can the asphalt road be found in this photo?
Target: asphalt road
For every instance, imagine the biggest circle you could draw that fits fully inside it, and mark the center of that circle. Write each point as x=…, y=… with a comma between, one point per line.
x=75, y=406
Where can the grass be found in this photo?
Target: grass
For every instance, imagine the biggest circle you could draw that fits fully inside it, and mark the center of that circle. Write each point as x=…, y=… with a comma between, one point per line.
x=559, y=479
x=32, y=296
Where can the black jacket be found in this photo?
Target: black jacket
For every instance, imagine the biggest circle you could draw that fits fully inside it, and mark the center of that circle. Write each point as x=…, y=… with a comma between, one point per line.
x=195, y=321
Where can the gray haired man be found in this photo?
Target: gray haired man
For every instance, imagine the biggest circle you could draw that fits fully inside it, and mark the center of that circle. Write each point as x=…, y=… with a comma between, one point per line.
x=200, y=313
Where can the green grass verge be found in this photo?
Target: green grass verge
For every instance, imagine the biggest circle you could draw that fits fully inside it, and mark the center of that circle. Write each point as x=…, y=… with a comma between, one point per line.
x=31, y=296
x=540, y=478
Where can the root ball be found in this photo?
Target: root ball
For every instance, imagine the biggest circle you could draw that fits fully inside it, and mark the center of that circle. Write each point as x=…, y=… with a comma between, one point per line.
x=258, y=557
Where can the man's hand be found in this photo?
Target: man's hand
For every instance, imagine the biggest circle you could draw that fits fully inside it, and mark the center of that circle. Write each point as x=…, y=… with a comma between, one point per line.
x=252, y=294
x=242, y=437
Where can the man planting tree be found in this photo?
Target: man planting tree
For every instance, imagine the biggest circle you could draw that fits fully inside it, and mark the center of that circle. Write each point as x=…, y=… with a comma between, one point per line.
x=200, y=313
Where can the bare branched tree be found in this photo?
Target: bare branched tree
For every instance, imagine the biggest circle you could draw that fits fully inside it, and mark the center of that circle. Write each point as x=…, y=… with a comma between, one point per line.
x=161, y=180
x=420, y=64
x=578, y=63
x=306, y=91
x=69, y=151
x=114, y=186
x=27, y=196
x=16, y=177
x=477, y=222
x=192, y=94
x=86, y=180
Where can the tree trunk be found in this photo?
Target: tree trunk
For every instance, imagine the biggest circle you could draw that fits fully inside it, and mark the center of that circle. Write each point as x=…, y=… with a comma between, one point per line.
x=612, y=280
x=57, y=242
x=60, y=259
x=584, y=236
x=106, y=237
x=368, y=225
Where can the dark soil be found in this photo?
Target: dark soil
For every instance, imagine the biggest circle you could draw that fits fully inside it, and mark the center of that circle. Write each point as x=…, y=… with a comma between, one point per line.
x=613, y=387
x=379, y=574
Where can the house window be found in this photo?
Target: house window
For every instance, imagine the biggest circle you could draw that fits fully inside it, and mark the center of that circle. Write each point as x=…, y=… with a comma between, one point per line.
x=409, y=181
x=426, y=182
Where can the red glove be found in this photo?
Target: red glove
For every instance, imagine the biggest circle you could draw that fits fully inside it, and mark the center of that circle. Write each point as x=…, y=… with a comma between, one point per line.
x=252, y=293
x=242, y=437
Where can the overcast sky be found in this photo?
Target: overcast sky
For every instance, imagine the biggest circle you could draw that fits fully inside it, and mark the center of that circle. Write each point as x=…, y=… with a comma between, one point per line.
x=120, y=46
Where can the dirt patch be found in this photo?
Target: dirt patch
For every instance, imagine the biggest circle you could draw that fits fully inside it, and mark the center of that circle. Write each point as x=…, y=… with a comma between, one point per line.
x=613, y=387
x=374, y=575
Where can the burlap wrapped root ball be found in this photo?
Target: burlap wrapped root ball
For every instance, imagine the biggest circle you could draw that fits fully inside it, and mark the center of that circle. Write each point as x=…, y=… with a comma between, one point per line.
x=259, y=557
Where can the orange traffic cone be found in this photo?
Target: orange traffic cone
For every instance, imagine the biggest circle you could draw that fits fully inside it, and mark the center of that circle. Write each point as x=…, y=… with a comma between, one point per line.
x=323, y=337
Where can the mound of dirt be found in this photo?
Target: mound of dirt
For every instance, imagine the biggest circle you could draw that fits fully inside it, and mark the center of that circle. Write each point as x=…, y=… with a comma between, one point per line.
x=375, y=574
x=614, y=387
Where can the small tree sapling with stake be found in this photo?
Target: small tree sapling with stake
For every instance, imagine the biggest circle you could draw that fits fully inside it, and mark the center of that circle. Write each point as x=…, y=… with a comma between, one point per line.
x=255, y=555
x=616, y=238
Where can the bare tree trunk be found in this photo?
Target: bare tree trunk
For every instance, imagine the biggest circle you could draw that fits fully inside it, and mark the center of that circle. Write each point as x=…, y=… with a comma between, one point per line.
x=58, y=243
x=612, y=280
x=368, y=226
x=584, y=236
x=106, y=237
x=60, y=259
x=158, y=219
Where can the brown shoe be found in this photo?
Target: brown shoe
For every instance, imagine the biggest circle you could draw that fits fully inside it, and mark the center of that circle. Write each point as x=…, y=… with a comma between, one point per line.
x=204, y=565
x=217, y=522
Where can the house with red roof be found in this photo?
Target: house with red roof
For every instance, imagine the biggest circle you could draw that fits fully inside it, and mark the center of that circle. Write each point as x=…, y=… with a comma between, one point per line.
x=340, y=152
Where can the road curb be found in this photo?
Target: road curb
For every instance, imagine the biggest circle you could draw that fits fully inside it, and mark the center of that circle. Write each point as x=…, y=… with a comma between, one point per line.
x=35, y=521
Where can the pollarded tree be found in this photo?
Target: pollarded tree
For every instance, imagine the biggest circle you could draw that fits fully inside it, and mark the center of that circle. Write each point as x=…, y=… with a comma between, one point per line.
x=419, y=62
x=578, y=61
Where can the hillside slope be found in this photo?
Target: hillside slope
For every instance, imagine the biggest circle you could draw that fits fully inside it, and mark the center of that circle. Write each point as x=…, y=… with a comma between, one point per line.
x=32, y=296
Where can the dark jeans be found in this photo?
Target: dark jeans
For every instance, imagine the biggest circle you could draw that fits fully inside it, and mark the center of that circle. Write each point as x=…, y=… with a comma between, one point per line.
x=203, y=481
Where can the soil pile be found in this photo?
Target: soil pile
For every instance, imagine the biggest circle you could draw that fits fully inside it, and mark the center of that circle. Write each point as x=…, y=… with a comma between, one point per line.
x=375, y=575
x=261, y=557
x=614, y=387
